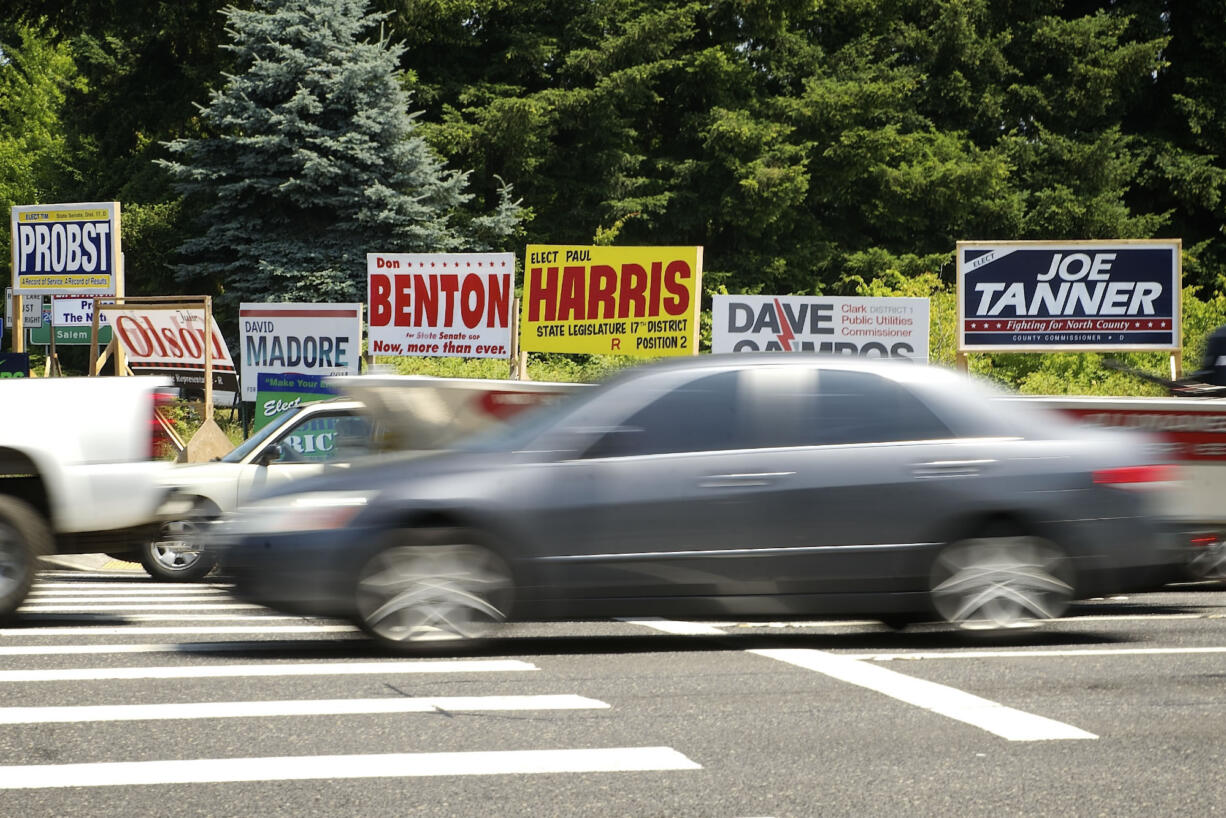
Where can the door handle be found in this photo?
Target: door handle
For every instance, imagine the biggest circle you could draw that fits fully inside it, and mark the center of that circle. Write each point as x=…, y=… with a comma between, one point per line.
x=727, y=481
x=949, y=468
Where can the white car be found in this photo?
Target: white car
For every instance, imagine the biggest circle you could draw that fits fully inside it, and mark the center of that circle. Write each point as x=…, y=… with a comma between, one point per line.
x=301, y=442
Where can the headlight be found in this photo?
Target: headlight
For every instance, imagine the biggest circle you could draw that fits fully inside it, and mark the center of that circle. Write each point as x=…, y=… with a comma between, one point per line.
x=313, y=511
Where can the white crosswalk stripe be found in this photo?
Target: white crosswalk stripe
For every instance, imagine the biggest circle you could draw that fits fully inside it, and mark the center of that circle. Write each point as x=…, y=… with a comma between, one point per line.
x=97, y=610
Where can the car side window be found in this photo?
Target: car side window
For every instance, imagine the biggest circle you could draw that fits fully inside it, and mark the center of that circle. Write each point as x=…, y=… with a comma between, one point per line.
x=861, y=407
x=694, y=416
x=806, y=406
x=325, y=438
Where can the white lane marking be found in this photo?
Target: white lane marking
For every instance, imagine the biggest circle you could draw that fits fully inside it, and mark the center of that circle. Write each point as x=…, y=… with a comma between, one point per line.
x=172, y=647
x=1028, y=654
x=171, y=630
x=303, y=707
x=145, y=584
x=82, y=619
x=1006, y=722
x=130, y=599
x=110, y=590
x=209, y=606
x=676, y=627
x=302, y=768
x=265, y=669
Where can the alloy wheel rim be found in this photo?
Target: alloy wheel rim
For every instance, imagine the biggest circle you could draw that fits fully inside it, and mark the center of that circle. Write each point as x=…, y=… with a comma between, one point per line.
x=1000, y=583
x=173, y=550
x=433, y=593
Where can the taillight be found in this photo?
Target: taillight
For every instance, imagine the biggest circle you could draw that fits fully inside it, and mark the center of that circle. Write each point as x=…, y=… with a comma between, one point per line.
x=162, y=437
x=1136, y=475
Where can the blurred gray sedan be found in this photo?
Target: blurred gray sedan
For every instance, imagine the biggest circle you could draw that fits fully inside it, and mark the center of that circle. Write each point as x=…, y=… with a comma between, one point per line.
x=724, y=486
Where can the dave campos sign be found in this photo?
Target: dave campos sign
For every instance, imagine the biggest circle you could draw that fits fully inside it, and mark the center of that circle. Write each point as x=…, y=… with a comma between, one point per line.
x=1069, y=296
x=305, y=339
x=867, y=327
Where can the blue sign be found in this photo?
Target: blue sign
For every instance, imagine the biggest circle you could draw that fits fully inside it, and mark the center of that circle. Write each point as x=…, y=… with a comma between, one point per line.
x=1074, y=296
x=14, y=364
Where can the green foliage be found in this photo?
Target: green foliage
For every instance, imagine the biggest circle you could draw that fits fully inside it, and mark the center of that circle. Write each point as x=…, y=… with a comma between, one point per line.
x=313, y=160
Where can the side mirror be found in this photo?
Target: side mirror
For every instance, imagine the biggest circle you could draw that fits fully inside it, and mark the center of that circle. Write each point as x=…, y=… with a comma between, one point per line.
x=270, y=455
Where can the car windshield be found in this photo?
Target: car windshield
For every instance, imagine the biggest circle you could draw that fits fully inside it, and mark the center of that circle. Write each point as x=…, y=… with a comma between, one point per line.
x=254, y=442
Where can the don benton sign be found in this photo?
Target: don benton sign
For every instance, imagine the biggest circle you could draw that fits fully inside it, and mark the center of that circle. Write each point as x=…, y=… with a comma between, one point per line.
x=171, y=342
x=440, y=304
x=868, y=327
x=308, y=339
x=66, y=248
x=621, y=300
x=1072, y=296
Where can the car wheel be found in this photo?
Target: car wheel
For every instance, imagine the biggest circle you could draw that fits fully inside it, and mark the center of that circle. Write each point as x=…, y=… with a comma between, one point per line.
x=177, y=553
x=24, y=537
x=998, y=582
x=437, y=589
x=1209, y=563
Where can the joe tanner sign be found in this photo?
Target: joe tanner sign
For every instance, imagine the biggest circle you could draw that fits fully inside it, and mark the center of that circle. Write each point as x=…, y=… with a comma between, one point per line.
x=1072, y=296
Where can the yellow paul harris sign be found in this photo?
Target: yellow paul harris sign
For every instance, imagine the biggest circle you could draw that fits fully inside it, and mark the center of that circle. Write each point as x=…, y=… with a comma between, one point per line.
x=611, y=300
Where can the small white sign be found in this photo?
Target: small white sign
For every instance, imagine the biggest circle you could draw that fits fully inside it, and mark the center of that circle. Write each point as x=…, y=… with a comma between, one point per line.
x=75, y=311
x=885, y=327
x=31, y=309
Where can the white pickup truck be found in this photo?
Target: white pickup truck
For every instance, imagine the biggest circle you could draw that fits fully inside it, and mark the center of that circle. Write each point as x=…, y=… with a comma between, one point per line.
x=79, y=471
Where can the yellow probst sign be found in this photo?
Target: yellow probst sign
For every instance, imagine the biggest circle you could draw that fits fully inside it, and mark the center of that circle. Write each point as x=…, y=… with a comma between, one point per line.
x=611, y=300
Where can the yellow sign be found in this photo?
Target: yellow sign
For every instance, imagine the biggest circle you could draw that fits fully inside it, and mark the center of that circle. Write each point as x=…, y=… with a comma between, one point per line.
x=611, y=300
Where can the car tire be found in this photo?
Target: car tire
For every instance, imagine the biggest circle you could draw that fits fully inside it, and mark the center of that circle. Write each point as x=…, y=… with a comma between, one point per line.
x=176, y=554
x=24, y=537
x=1001, y=580
x=432, y=590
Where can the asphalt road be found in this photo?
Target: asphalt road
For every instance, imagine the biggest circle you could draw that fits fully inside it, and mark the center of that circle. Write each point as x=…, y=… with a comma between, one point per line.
x=120, y=696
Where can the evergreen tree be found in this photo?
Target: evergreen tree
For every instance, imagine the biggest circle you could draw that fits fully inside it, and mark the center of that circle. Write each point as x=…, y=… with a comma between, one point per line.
x=311, y=160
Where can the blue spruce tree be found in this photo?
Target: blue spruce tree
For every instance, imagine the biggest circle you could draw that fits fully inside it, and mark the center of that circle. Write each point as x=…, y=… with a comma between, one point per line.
x=311, y=161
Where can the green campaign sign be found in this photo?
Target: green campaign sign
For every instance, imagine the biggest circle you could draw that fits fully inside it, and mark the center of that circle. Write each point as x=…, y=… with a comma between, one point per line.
x=68, y=335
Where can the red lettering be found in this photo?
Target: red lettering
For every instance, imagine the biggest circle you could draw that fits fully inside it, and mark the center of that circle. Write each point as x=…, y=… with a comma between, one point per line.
x=193, y=342
x=633, y=291
x=153, y=333
x=472, y=301
x=380, y=300
x=679, y=304
x=130, y=330
x=600, y=303
x=426, y=288
x=402, y=312
x=449, y=284
x=570, y=302
x=499, y=300
x=542, y=294
x=653, y=294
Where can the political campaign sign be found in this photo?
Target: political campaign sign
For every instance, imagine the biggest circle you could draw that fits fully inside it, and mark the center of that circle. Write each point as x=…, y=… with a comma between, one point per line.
x=440, y=304
x=66, y=248
x=171, y=342
x=866, y=327
x=277, y=393
x=1069, y=296
x=307, y=339
x=640, y=301
x=14, y=364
